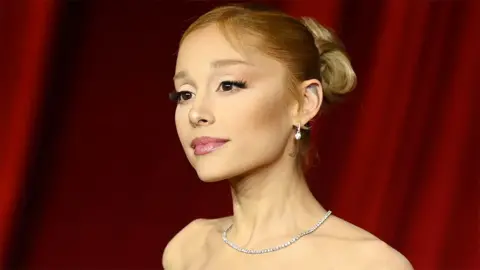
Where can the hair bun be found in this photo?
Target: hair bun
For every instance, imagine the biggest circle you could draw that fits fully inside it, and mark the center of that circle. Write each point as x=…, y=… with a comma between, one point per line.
x=336, y=72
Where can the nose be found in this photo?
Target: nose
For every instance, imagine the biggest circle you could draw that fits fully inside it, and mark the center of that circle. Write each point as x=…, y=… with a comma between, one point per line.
x=200, y=117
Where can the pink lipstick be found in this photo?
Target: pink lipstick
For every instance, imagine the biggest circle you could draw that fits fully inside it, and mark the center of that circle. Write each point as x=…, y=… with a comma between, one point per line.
x=205, y=145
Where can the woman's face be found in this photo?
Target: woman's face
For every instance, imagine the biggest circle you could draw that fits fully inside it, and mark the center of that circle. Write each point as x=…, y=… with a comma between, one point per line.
x=234, y=113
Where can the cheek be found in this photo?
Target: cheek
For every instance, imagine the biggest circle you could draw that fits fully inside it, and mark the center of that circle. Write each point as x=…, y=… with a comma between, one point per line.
x=262, y=125
x=268, y=115
x=181, y=123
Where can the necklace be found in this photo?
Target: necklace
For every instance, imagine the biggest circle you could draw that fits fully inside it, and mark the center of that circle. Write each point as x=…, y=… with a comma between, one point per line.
x=282, y=246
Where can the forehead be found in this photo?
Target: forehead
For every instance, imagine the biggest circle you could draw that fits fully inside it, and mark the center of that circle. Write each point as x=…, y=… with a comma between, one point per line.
x=207, y=45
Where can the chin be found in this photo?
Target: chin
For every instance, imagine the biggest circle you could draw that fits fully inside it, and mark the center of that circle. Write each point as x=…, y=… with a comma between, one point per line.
x=215, y=169
x=210, y=177
x=222, y=165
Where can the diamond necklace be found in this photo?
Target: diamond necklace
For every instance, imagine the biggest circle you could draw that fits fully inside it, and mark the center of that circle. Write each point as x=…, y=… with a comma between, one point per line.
x=282, y=246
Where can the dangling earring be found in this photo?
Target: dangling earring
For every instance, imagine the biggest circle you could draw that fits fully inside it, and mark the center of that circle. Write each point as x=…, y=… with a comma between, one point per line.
x=298, y=134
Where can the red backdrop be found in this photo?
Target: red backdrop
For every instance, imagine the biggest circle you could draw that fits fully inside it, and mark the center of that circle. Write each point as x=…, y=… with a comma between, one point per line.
x=92, y=175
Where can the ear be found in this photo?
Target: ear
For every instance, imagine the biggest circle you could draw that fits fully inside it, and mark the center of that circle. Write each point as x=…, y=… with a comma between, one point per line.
x=312, y=101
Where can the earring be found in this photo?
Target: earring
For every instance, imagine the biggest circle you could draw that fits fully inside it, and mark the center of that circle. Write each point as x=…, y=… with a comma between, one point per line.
x=298, y=134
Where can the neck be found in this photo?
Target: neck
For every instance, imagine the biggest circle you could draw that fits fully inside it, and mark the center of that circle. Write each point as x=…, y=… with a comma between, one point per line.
x=272, y=203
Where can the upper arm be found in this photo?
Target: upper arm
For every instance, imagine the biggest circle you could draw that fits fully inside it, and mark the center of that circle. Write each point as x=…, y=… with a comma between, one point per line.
x=384, y=257
x=174, y=251
x=394, y=261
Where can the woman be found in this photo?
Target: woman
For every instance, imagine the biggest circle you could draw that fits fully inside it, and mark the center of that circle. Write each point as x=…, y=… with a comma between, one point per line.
x=248, y=83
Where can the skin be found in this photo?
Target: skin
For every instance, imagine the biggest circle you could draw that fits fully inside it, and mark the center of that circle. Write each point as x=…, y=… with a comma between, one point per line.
x=271, y=200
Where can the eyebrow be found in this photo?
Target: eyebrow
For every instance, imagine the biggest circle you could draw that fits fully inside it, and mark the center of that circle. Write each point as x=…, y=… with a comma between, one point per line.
x=214, y=65
x=180, y=75
x=228, y=62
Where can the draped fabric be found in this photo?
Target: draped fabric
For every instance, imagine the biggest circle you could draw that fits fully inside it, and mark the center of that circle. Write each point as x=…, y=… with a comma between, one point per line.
x=92, y=175
x=25, y=31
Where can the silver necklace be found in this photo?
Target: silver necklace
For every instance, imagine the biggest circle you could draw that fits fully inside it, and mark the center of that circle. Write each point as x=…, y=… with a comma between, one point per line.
x=282, y=246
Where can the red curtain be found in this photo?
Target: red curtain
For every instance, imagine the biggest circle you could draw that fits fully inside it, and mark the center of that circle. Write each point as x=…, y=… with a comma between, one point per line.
x=25, y=29
x=400, y=157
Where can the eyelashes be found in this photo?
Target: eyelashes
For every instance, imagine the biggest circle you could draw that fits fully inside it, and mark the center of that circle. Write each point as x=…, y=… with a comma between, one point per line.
x=224, y=86
x=232, y=85
x=180, y=96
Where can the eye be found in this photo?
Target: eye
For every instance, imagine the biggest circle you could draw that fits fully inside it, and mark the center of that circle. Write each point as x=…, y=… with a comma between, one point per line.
x=181, y=96
x=227, y=86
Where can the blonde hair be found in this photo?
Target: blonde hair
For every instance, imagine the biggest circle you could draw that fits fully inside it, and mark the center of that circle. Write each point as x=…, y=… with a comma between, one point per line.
x=308, y=50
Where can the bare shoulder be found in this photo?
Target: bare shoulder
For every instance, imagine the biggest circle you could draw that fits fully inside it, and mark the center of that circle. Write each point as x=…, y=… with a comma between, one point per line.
x=365, y=249
x=175, y=249
x=379, y=255
x=186, y=243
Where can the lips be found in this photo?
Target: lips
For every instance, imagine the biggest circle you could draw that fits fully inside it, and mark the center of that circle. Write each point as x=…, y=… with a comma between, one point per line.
x=205, y=145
